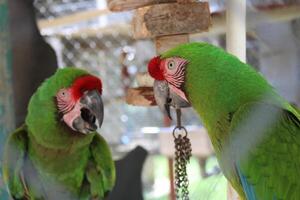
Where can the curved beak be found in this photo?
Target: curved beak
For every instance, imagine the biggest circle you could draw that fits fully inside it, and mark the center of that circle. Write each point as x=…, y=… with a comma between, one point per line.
x=166, y=98
x=91, y=112
x=161, y=95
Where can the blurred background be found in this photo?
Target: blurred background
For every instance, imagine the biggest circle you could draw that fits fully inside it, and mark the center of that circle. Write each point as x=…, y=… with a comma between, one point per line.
x=43, y=35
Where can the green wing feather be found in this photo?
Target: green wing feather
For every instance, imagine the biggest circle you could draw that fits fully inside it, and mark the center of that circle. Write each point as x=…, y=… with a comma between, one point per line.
x=266, y=143
x=101, y=170
x=13, y=160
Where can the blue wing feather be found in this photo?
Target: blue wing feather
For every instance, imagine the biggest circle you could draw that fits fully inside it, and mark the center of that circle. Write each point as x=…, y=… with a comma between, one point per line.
x=248, y=188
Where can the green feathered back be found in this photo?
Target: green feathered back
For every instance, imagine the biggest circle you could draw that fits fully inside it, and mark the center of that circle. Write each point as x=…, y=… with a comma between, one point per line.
x=220, y=81
x=259, y=157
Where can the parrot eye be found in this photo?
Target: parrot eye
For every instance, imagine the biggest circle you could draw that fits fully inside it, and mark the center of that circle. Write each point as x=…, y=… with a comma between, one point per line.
x=171, y=64
x=64, y=100
x=63, y=94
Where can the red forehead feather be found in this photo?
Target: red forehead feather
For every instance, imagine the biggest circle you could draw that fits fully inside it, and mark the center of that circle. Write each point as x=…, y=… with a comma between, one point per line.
x=154, y=68
x=85, y=83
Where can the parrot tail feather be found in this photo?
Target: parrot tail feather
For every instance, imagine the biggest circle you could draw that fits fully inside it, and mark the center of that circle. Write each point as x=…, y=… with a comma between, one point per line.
x=248, y=188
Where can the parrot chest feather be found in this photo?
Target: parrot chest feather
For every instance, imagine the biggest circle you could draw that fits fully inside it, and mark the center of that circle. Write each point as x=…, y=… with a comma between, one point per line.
x=65, y=166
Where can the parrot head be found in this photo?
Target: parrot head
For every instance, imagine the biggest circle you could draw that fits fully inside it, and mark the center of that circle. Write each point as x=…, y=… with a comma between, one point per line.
x=68, y=101
x=80, y=105
x=169, y=75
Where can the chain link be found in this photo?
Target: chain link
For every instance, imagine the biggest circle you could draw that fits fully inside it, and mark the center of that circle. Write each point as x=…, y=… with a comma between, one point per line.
x=183, y=152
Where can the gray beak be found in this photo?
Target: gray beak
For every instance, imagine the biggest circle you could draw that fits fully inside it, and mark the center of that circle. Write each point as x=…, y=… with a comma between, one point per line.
x=161, y=95
x=165, y=98
x=91, y=112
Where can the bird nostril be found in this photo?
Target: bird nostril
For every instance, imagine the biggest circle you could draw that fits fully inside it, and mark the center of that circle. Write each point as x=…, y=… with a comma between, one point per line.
x=87, y=116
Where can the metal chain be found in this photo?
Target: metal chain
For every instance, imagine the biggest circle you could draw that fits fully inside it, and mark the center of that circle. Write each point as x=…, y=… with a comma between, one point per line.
x=183, y=152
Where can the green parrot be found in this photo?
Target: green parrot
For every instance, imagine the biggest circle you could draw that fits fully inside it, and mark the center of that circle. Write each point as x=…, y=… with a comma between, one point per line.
x=254, y=131
x=57, y=154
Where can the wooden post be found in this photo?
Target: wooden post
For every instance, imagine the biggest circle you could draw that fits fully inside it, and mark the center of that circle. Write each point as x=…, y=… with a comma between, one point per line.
x=235, y=44
x=7, y=123
x=123, y=5
x=171, y=177
x=163, y=43
x=171, y=19
x=236, y=28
